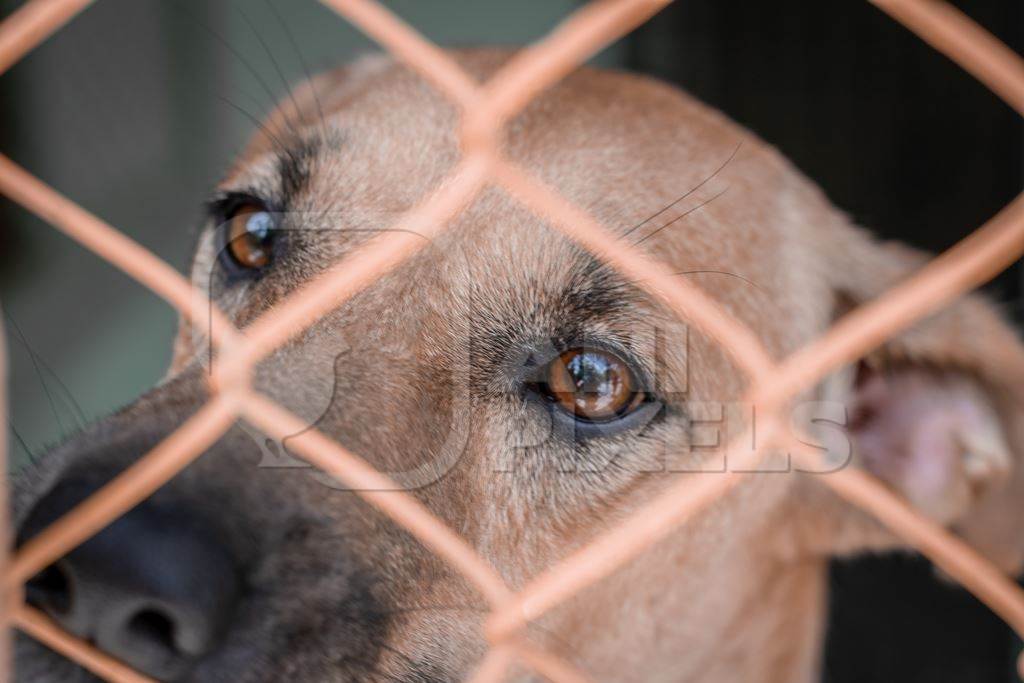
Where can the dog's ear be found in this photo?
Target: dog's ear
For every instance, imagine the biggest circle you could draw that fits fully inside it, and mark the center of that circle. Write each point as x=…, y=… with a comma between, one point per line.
x=937, y=413
x=930, y=432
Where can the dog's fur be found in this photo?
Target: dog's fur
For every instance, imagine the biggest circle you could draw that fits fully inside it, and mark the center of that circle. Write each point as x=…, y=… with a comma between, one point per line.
x=425, y=362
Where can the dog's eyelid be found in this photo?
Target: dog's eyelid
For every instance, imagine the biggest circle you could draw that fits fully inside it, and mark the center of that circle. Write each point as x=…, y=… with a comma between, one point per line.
x=538, y=355
x=223, y=202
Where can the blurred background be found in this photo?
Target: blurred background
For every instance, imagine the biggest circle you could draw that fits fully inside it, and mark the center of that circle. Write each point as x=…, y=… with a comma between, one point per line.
x=135, y=109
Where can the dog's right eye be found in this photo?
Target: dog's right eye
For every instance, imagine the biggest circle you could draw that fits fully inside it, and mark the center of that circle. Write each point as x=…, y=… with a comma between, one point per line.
x=592, y=385
x=247, y=236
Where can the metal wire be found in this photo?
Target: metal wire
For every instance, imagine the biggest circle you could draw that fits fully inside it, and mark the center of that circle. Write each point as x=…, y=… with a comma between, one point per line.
x=485, y=109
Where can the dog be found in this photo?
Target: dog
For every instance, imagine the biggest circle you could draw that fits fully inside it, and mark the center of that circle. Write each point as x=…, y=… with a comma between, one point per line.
x=530, y=397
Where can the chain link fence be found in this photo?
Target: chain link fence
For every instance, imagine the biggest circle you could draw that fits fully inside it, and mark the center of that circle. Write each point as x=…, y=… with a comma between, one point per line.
x=485, y=108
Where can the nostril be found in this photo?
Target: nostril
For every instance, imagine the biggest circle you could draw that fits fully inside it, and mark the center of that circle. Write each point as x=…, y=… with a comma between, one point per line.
x=50, y=590
x=156, y=588
x=151, y=628
x=147, y=638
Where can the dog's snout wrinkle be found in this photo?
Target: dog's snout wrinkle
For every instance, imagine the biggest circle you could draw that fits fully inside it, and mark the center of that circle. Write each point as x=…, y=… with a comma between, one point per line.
x=154, y=588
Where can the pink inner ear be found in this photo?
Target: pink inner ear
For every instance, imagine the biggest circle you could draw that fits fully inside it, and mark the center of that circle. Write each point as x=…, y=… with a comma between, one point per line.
x=932, y=436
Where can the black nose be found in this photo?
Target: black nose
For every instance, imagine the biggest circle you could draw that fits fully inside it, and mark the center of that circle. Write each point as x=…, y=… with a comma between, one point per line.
x=154, y=589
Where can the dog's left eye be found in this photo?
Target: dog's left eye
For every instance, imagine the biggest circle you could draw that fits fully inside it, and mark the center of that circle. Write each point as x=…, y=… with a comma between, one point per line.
x=592, y=385
x=247, y=235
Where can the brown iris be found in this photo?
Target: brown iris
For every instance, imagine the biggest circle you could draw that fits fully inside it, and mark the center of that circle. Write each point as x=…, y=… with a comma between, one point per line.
x=249, y=235
x=592, y=384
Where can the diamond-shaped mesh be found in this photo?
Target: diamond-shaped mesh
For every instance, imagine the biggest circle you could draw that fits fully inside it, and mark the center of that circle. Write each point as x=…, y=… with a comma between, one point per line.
x=485, y=109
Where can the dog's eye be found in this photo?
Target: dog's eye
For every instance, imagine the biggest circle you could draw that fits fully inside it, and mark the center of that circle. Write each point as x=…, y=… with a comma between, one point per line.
x=248, y=235
x=593, y=385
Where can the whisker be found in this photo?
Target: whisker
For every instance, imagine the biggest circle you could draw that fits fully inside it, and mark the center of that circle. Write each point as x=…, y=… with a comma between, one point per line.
x=247, y=65
x=68, y=398
x=21, y=442
x=723, y=272
x=302, y=61
x=685, y=194
x=38, y=370
x=270, y=55
x=679, y=217
x=711, y=271
x=257, y=122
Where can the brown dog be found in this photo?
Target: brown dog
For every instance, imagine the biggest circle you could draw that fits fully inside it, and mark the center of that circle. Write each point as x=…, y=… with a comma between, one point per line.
x=530, y=397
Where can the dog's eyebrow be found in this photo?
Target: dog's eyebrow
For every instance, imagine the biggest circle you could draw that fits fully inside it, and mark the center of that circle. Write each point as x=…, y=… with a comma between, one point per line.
x=294, y=167
x=595, y=290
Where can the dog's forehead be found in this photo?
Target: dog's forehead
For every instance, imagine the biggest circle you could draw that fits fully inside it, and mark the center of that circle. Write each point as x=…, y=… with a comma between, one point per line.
x=376, y=134
x=352, y=152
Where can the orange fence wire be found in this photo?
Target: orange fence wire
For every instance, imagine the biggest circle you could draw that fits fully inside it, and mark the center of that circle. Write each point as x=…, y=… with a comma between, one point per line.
x=485, y=109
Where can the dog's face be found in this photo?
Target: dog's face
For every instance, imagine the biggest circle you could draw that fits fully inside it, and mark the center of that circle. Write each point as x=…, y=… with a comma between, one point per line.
x=527, y=394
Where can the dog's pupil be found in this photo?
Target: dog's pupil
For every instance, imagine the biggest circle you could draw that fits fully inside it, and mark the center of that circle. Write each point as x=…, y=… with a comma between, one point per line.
x=592, y=384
